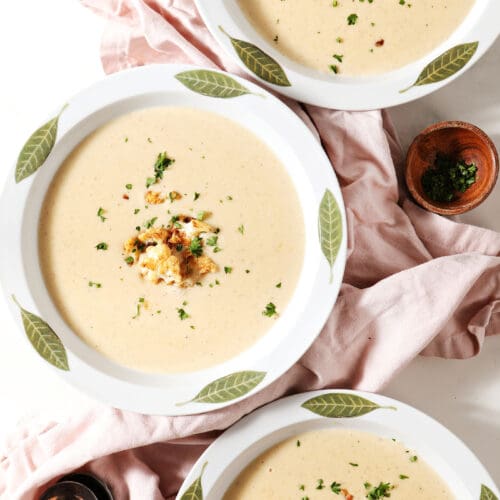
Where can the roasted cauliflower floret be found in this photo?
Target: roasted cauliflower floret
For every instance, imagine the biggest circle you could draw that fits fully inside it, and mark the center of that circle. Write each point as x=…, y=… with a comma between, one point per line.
x=205, y=265
x=154, y=197
x=167, y=254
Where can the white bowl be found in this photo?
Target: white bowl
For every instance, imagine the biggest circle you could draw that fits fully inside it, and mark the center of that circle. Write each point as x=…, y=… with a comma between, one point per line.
x=272, y=355
x=482, y=25
x=221, y=463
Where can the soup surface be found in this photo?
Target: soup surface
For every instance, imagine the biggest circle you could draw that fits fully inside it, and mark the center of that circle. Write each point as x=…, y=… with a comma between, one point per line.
x=171, y=239
x=347, y=463
x=355, y=38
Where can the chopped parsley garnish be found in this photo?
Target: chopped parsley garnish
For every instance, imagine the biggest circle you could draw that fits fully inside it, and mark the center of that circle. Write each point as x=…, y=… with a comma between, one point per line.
x=414, y=458
x=195, y=246
x=339, y=57
x=182, y=314
x=138, y=307
x=129, y=186
x=278, y=285
x=174, y=221
x=302, y=487
x=129, y=260
x=161, y=164
x=94, y=284
x=447, y=177
x=298, y=443
x=320, y=485
x=102, y=246
x=241, y=228
x=228, y=270
x=352, y=19
x=380, y=491
x=202, y=215
x=136, y=211
x=334, y=68
x=196, y=196
x=402, y=476
x=270, y=310
x=217, y=250
x=353, y=464
x=335, y=487
x=150, y=223
x=100, y=214
x=212, y=241
x=229, y=198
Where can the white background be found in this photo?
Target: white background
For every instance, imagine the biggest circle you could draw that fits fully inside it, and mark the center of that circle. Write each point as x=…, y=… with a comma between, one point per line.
x=50, y=51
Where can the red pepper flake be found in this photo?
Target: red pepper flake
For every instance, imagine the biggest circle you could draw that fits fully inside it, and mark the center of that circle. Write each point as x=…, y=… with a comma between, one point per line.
x=125, y=197
x=347, y=495
x=379, y=43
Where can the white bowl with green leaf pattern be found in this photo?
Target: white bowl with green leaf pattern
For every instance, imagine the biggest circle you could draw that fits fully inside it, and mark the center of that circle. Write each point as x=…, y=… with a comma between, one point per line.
x=47, y=334
x=263, y=61
x=449, y=457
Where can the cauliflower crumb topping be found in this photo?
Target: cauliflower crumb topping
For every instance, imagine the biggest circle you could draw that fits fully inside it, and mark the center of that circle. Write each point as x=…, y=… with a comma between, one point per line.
x=173, y=254
x=154, y=197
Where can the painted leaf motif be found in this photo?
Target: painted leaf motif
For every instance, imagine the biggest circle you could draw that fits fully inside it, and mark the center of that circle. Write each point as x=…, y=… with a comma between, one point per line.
x=44, y=339
x=195, y=491
x=446, y=65
x=487, y=494
x=259, y=63
x=341, y=405
x=230, y=387
x=37, y=148
x=211, y=83
x=330, y=228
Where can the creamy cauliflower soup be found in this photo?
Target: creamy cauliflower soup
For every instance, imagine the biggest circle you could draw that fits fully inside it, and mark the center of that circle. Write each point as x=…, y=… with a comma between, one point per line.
x=171, y=239
x=343, y=464
x=355, y=37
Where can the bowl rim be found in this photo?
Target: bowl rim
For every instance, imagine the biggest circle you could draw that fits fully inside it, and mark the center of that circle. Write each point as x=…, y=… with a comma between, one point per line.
x=284, y=418
x=352, y=93
x=95, y=375
x=492, y=180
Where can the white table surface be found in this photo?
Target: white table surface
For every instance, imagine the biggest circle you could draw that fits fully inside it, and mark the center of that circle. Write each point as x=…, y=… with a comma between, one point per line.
x=50, y=51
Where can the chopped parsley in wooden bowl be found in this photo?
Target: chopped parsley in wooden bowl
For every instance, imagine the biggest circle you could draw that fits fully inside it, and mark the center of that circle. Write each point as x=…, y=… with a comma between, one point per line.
x=451, y=167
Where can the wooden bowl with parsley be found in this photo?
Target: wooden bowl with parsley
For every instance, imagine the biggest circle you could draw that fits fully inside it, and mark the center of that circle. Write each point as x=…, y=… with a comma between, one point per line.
x=451, y=167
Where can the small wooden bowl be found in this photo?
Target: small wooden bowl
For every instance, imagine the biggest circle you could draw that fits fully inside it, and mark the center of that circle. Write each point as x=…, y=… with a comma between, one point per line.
x=459, y=140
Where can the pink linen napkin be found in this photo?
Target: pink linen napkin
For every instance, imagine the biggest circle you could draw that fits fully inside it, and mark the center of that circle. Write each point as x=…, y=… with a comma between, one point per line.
x=415, y=282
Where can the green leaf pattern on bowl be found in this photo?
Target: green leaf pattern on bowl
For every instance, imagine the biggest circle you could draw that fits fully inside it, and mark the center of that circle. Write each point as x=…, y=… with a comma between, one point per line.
x=229, y=387
x=45, y=341
x=446, y=65
x=330, y=228
x=211, y=83
x=487, y=494
x=258, y=62
x=37, y=148
x=195, y=491
x=341, y=405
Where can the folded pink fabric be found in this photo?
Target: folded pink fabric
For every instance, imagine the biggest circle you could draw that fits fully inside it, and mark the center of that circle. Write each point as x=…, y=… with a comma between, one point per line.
x=414, y=282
